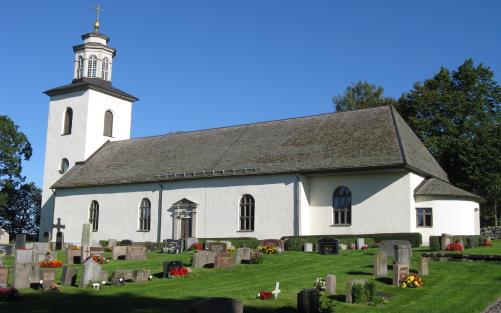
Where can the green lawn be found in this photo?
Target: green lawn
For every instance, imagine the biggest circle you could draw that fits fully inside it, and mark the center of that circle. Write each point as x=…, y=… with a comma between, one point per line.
x=451, y=287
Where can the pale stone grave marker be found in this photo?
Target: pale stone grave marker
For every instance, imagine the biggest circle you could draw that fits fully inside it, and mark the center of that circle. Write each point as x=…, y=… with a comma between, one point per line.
x=423, y=266
x=445, y=240
x=203, y=259
x=243, y=254
x=276, y=243
x=308, y=247
x=40, y=250
x=141, y=275
x=388, y=246
x=84, y=253
x=400, y=272
x=86, y=235
x=360, y=243
x=176, y=246
x=119, y=252
x=136, y=252
x=25, y=274
x=330, y=284
x=217, y=247
x=24, y=256
x=349, y=288
x=92, y=272
x=73, y=256
x=111, y=243
x=4, y=277
x=188, y=242
x=224, y=260
x=380, y=265
x=4, y=237
x=402, y=254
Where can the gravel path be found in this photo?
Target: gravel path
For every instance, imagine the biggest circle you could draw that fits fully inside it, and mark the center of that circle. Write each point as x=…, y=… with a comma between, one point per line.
x=495, y=308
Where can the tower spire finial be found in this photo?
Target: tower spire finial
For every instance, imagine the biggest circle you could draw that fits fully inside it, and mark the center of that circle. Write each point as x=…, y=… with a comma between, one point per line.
x=96, y=24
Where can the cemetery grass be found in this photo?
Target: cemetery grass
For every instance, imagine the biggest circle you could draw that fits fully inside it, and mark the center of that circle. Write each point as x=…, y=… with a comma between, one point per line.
x=451, y=287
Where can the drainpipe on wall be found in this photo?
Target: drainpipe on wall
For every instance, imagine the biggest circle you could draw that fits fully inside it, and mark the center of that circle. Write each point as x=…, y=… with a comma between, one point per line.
x=159, y=226
x=297, y=207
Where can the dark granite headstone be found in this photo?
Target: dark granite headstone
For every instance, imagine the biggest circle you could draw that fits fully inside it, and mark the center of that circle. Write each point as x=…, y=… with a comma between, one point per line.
x=328, y=246
x=308, y=301
x=175, y=245
x=217, y=305
x=169, y=265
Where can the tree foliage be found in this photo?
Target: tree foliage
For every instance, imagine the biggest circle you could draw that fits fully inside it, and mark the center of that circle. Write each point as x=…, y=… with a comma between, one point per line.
x=19, y=201
x=456, y=115
x=361, y=95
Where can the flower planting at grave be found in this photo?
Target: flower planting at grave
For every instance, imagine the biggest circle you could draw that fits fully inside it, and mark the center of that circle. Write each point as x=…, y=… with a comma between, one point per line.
x=267, y=249
x=197, y=246
x=455, y=246
x=319, y=284
x=231, y=249
x=180, y=271
x=54, y=288
x=98, y=259
x=264, y=294
x=75, y=248
x=411, y=281
x=487, y=243
x=51, y=263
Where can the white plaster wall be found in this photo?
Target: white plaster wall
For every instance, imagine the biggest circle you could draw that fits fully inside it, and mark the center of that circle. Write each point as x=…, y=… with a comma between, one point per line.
x=304, y=205
x=380, y=203
x=99, y=103
x=217, y=212
x=415, y=180
x=451, y=216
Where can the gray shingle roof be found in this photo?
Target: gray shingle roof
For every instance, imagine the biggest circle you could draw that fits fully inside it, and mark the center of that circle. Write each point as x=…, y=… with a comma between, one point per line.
x=91, y=83
x=436, y=187
x=363, y=139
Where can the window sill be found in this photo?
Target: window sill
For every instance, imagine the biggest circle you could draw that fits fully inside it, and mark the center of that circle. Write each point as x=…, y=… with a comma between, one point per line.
x=142, y=231
x=65, y=134
x=341, y=225
x=424, y=226
x=245, y=231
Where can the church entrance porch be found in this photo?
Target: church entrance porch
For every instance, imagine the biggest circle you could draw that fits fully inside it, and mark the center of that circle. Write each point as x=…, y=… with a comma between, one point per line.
x=184, y=214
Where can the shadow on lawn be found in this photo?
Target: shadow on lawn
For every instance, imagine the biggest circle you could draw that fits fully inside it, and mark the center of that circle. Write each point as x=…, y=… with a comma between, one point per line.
x=358, y=273
x=123, y=303
x=385, y=280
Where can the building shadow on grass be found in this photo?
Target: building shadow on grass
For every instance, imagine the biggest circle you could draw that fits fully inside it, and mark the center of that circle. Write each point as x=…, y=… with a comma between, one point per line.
x=358, y=273
x=125, y=302
x=385, y=280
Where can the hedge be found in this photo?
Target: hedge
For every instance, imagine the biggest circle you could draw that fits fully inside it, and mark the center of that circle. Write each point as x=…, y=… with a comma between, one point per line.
x=237, y=242
x=296, y=243
x=435, y=241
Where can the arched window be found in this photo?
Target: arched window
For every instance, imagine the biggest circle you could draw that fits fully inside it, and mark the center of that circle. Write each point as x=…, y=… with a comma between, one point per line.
x=104, y=69
x=80, y=67
x=68, y=121
x=341, y=202
x=92, y=68
x=247, y=205
x=108, y=124
x=64, y=165
x=94, y=215
x=145, y=215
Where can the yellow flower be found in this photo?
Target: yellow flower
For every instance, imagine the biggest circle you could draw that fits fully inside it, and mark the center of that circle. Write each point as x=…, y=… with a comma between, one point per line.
x=404, y=285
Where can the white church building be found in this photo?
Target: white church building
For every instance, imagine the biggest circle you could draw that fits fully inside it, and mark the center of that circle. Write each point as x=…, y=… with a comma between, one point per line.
x=357, y=172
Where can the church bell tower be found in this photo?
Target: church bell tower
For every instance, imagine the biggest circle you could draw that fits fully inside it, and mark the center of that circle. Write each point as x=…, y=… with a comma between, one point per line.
x=83, y=115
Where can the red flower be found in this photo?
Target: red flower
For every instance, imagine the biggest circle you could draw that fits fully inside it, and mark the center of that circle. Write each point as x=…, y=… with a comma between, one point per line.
x=179, y=271
x=263, y=294
x=197, y=246
x=455, y=247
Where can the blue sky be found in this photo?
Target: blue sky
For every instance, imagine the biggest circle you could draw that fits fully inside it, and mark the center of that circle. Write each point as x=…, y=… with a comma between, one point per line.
x=202, y=64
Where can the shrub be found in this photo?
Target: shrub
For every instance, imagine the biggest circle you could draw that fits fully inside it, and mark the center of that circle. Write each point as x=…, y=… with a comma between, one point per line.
x=238, y=242
x=435, y=243
x=370, y=291
x=364, y=293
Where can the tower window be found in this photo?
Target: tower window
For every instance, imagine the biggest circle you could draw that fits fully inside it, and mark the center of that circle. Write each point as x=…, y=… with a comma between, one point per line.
x=144, y=215
x=94, y=215
x=63, y=167
x=68, y=121
x=92, y=68
x=342, y=206
x=247, y=204
x=104, y=70
x=80, y=67
x=108, y=124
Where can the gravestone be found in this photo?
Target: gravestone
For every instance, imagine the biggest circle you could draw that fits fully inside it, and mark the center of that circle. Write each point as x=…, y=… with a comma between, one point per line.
x=217, y=247
x=388, y=246
x=59, y=234
x=308, y=301
x=24, y=274
x=111, y=243
x=126, y=275
x=308, y=247
x=380, y=265
x=73, y=256
x=423, y=266
x=126, y=242
x=4, y=237
x=84, y=253
x=29, y=246
x=92, y=272
x=328, y=246
x=243, y=254
x=360, y=243
x=1, y=260
x=141, y=275
x=96, y=251
x=349, y=288
x=136, y=252
x=400, y=272
x=46, y=237
x=188, y=242
x=168, y=265
x=69, y=276
x=86, y=235
x=445, y=240
x=47, y=276
x=24, y=256
x=470, y=243
x=175, y=245
x=8, y=250
x=20, y=241
x=217, y=305
x=276, y=243
x=402, y=254
x=330, y=284
x=203, y=258
x=224, y=260
x=4, y=277
x=119, y=252
x=41, y=252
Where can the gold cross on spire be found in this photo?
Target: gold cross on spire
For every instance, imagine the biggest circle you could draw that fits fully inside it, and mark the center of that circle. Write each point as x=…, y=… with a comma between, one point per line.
x=98, y=11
